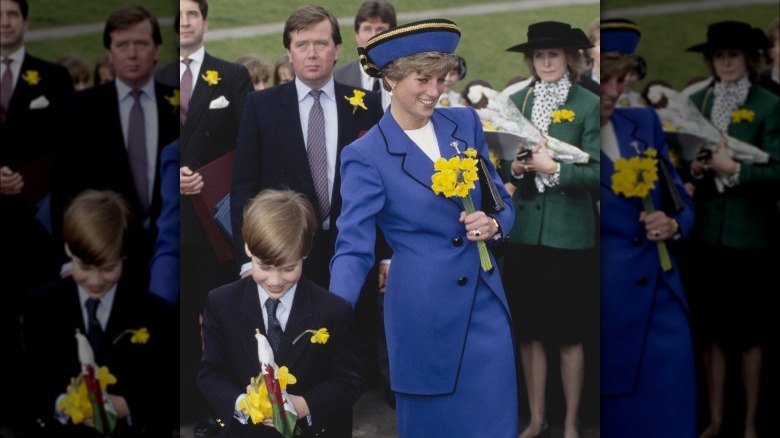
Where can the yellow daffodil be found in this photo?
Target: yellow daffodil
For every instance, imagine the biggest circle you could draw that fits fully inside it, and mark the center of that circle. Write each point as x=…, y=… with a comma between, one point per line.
x=445, y=102
x=285, y=378
x=140, y=336
x=742, y=115
x=455, y=177
x=487, y=126
x=624, y=102
x=356, y=100
x=668, y=127
x=31, y=77
x=211, y=76
x=494, y=158
x=174, y=100
x=318, y=336
x=76, y=404
x=636, y=177
x=105, y=377
x=256, y=404
x=562, y=115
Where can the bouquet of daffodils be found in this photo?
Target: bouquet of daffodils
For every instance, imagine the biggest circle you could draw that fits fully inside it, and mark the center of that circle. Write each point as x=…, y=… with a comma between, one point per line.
x=86, y=399
x=502, y=115
x=678, y=114
x=266, y=396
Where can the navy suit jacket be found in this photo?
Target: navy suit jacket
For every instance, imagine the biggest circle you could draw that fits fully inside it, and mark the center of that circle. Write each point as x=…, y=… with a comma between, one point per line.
x=164, y=266
x=271, y=153
x=329, y=375
x=210, y=133
x=28, y=135
x=145, y=372
x=630, y=264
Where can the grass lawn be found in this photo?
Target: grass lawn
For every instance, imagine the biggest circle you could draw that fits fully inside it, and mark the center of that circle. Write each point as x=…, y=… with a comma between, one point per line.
x=483, y=44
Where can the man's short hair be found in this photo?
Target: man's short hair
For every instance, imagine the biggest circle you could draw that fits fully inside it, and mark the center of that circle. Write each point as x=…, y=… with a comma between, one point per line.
x=375, y=9
x=24, y=8
x=307, y=16
x=126, y=17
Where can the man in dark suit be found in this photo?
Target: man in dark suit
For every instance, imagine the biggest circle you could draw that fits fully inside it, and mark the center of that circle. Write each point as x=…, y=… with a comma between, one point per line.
x=286, y=308
x=274, y=137
x=210, y=116
x=32, y=92
x=110, y=146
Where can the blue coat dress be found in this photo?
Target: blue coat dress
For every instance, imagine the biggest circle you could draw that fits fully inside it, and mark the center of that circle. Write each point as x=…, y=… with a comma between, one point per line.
x=648, y=381
x=449, y=333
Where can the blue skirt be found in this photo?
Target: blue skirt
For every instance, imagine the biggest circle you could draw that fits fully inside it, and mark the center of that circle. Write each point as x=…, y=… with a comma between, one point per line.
x=663, y=403
x=484, y=403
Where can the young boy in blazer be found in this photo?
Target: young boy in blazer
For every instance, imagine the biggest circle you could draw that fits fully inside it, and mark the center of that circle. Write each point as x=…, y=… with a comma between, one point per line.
x=278, y=229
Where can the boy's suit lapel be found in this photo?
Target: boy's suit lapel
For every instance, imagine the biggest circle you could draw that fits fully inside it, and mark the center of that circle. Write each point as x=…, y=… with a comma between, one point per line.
x=250, y=320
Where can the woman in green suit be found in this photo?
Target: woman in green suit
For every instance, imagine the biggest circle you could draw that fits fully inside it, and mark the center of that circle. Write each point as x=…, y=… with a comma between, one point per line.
x=733, y=218
x=551, y=265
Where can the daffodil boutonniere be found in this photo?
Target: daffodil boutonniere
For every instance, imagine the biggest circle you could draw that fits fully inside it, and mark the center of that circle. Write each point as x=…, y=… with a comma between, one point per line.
x=31, y=77
x=455, y=177
x=318, y=336
x=742, y=115
x=174, y=100
x=212, y=77
x=636, y=177
x=140, y=336
x=562, y=115
x=356, y=100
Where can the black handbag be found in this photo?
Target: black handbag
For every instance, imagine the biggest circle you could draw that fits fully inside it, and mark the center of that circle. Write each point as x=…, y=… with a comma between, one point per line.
x=492, y=202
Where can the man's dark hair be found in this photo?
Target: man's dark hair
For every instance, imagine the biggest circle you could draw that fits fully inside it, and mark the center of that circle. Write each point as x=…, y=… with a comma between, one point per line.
x=23, y=7
x=126, y=17
x=375, y=9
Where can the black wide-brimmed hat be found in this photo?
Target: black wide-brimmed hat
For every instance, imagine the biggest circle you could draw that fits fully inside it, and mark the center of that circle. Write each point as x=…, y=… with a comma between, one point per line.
x=436, y=35
x=732, y=35
x=553, y=35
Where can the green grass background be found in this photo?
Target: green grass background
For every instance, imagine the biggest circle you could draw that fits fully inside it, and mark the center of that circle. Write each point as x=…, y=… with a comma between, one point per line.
x=483, y=44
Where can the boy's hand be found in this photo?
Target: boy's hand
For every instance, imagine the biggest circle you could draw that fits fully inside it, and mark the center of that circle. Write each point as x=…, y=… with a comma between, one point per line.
x=300, y=405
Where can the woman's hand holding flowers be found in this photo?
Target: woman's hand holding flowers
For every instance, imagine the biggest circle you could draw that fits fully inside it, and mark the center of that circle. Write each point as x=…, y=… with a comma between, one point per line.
x=659, y=226
x=479, y=226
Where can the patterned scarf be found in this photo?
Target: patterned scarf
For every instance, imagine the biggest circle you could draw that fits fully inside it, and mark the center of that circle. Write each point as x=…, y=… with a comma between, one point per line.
x=728, y=97
x=549, y=96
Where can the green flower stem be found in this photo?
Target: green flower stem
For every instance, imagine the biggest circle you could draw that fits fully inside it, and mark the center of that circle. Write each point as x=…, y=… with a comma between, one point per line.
x=484, y=257
x=122, y=334
x=666, y=262
x=301, y=335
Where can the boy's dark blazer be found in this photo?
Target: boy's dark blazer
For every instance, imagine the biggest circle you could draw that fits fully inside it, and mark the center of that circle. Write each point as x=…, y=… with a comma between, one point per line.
x=329, y=375
x=146, y=373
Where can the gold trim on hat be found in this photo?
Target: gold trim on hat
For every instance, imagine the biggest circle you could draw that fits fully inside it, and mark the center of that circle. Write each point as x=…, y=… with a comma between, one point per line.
x=621, y=26
x=379, y=38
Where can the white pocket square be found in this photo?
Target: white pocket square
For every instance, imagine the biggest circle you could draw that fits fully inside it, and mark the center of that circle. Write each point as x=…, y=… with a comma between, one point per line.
x=218, y=103
x=39, y=103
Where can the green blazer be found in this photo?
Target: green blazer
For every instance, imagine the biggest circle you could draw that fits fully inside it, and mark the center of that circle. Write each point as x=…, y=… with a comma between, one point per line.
x=563, y=216
x=740, y=216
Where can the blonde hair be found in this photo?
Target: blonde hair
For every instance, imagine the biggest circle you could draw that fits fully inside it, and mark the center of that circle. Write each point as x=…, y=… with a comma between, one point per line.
x=279, y=226
x=425, y=62
x=258, y=69
x=573, y=63
x=95, y=226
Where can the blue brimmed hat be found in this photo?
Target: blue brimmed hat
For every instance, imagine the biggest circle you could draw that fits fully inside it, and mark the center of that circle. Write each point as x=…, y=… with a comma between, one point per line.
x=619, y=35
x=436, y=35
x=553, y=35
x=732, y=35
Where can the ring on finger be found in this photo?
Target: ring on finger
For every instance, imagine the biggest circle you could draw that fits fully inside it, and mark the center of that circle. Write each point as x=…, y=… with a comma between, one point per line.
x=476, y=233
x=656, y=233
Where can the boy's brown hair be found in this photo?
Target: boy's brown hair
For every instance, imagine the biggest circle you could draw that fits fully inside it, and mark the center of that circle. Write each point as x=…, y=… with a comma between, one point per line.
x=96, y=225
x=279, y=226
